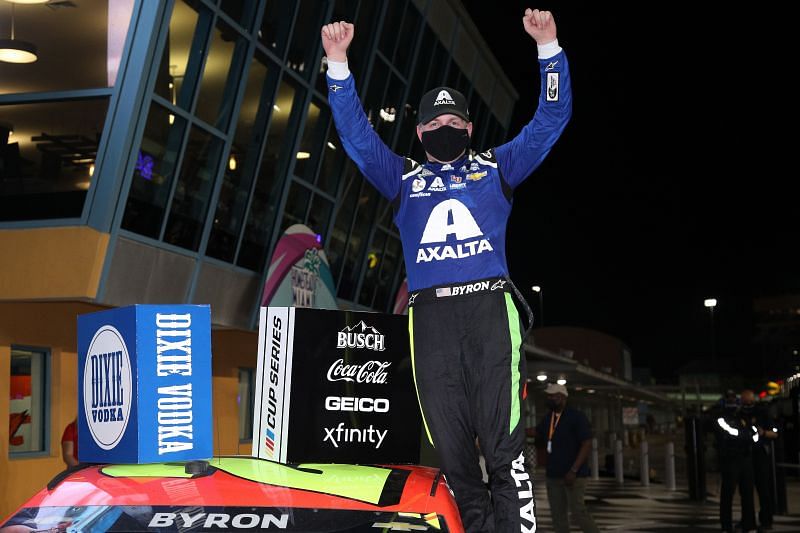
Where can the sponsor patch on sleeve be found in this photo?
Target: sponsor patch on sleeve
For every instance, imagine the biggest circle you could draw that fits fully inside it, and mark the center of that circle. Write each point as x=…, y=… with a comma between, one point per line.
x=552, y=86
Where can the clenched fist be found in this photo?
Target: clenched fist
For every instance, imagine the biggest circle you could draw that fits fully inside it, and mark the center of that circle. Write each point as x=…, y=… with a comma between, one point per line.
x=540, y=25
x=336, y=37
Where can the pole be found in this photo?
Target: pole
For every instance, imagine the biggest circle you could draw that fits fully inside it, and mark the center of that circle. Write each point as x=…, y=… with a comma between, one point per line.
x=669, y=470
x=595, y=462
x=644, y=464
x=541, y=306
x=619, y=466
x=713, y=344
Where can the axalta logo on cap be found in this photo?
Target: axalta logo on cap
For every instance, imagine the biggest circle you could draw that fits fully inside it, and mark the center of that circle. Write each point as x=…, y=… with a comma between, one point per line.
x=107, y=383
x=444, y=98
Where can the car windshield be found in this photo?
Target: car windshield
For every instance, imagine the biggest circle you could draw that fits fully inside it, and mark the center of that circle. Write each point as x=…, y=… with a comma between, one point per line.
x=207, y=518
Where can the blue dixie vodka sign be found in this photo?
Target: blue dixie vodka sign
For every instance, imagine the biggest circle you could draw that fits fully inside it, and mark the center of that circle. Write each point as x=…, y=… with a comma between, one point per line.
x=145, y=381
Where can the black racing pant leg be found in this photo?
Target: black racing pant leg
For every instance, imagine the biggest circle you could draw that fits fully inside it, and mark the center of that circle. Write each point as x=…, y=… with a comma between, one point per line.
x=746, y=493
x=470, y=371
x=442, y=391
x=729, y=472
x=763, y=481
x=496, y=377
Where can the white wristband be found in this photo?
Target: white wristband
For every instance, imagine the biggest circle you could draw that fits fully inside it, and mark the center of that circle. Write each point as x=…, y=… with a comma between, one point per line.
x=548, y=50
x=338, y=70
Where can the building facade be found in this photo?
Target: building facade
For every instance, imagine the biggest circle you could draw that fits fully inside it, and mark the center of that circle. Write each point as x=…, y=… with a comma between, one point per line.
x=156, y=150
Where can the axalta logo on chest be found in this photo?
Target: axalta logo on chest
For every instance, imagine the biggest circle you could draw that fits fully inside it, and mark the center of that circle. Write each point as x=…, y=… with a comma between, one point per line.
x=451, y=217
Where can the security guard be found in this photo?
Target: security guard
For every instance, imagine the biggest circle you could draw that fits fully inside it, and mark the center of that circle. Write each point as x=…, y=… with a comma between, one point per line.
x=758, y=417
x=735, y=440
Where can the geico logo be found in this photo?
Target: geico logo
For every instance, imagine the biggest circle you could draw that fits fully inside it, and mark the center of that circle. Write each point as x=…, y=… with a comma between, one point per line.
x=361, y=405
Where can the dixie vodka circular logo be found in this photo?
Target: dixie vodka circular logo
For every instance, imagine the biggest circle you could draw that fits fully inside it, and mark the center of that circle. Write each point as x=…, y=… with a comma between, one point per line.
x=107, y=387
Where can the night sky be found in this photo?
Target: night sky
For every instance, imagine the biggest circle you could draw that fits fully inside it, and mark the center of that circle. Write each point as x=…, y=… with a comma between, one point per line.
x=669, y=185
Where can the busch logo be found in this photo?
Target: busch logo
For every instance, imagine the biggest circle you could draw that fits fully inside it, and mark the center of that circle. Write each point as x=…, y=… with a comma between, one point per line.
x=370, y=372
x=107, y=387
x=361, y=336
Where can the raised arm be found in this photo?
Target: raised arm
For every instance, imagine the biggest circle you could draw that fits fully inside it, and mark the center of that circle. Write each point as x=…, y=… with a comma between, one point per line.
x=519, y=157
x=382, y=167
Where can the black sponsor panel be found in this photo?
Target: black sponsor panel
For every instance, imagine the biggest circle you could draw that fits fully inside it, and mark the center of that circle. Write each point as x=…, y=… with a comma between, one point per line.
x=118, y=518
x=353, y=398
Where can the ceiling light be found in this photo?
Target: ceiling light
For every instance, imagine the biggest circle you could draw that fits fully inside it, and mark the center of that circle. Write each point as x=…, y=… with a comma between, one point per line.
x=333, y=147
x=561, y=381
x=232, y=163
x=542, y=377
x=91, y=169
x=16, y=51
x=276, y=108
x=303, y=155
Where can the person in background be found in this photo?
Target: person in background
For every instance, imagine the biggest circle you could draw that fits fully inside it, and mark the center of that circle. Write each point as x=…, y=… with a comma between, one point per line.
x=69, y=444
x=735, y=439
x=758, y=417
x=568, y=437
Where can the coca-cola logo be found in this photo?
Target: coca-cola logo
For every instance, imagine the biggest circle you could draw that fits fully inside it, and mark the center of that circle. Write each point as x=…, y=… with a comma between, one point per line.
x=373, y=372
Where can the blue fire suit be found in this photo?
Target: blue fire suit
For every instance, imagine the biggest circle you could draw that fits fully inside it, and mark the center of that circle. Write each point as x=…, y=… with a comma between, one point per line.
x=465, y=330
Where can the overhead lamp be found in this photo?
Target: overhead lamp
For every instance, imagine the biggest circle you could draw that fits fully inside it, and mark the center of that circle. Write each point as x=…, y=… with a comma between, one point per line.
x=232, y=162
x=16, y=51
x=303, y=155
x=710, y=302
x=333, y=147
x=561, y=381
x=542, y=377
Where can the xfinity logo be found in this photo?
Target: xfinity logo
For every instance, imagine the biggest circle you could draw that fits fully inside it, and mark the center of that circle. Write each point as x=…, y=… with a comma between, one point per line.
x=359, y=405
x=107, y=385
x=361, y=336
x=373, y=372
x=212, y=521
x=444, y=98
x=339, y=434
x=451, y=217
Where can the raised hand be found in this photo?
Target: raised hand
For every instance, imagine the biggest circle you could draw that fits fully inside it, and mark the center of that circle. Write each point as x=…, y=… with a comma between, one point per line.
x=336, y=37
x=540, y=25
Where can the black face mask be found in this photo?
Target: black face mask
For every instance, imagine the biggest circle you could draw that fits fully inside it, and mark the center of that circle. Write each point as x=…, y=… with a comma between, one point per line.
x=445, y=143
x=551, y=404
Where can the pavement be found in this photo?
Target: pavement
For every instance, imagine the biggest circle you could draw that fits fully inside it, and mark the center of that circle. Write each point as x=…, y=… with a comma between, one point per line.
x=633, y=508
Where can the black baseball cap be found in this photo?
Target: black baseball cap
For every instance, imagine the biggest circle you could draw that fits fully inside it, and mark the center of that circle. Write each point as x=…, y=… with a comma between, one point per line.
x=441, y=101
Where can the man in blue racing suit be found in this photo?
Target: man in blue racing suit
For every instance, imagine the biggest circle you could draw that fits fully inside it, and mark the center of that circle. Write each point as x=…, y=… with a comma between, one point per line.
x=452, y=211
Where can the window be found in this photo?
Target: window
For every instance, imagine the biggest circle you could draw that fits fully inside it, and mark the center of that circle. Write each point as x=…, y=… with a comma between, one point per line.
x=311, y=141
x=94, y=31
x=28, y=407
x=47, y=155
x=246, y=401
x=193, y=191
x=183, y=53
x=263, y=207
x=221, y=75
x=275, y=26
x=242, y=160
x=154, y=173
x=305, y=37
